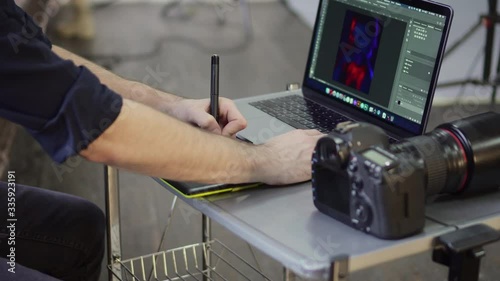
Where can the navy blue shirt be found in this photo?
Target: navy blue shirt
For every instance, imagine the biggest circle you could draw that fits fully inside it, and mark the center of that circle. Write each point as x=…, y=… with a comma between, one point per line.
x=64, y=107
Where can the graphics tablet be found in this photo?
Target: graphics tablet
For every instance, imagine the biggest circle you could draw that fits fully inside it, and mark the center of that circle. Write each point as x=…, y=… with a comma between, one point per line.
x=197, y=190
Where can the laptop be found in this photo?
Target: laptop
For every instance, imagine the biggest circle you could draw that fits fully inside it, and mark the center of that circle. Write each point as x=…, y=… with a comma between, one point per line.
x=374, y=61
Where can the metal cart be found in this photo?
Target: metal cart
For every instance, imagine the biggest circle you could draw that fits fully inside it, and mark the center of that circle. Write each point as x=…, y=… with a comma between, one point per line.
x=201, y=261
x=307, y=243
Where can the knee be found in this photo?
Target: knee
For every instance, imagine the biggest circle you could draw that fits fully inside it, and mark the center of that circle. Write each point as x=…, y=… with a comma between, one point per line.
x=85, y=229
x=89, y=224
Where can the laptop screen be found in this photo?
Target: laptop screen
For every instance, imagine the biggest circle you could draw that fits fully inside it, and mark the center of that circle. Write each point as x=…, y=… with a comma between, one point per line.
x=381, y=57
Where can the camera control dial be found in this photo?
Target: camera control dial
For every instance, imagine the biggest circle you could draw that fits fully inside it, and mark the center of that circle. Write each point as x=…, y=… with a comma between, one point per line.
x=362, y=215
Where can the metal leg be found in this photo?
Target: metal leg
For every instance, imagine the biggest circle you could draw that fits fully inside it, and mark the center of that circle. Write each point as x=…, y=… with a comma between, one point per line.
x=339, y=270
x=257, y=264
x=491, y=22
x=164, y=235
x=288, y=275
x=207, y=237
x=496, y=81
x=113, y=222
x=493, y=98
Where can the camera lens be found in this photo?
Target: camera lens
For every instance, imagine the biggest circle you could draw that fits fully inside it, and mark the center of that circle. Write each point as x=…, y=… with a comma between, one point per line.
x=458, y=156
x=440, y=155
x=480, y=139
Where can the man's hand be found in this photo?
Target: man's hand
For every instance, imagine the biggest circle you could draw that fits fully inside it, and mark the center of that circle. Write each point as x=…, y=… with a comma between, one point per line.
x=288, y=157
x=190, y=111
x=196, y=112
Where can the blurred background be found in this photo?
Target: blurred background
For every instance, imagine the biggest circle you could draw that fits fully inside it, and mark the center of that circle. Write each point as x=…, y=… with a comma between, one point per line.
x=263, y=45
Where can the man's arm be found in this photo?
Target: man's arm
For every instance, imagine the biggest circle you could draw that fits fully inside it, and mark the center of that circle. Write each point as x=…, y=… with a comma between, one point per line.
x=145, y=141
x=128, y=89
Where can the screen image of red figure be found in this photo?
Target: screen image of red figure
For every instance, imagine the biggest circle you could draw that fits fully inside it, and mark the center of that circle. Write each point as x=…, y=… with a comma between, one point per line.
x=357, y=53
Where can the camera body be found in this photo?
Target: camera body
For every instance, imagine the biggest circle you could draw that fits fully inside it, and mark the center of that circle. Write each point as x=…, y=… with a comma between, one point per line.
x=359, y=182
x=362, y=181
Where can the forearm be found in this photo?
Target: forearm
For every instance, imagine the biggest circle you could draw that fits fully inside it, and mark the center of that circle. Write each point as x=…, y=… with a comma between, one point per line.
x=128, y=89
x=148, y=142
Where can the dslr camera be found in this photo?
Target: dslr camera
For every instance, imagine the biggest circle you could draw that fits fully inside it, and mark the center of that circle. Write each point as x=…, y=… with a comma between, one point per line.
x=362, y=180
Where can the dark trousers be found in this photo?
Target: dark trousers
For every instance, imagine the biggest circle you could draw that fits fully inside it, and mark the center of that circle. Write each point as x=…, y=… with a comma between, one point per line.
x=57, y=236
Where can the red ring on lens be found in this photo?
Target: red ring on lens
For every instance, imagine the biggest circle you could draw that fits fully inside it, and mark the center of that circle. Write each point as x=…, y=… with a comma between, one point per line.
x=462, y=148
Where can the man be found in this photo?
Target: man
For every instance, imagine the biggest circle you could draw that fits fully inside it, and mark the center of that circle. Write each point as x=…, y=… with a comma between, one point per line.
x=70, y=111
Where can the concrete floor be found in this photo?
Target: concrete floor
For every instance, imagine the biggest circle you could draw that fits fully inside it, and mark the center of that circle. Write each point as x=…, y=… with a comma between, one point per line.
x=182, y=47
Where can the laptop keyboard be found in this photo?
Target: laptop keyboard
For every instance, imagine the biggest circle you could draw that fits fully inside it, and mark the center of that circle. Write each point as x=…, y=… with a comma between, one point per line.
x=301, y=113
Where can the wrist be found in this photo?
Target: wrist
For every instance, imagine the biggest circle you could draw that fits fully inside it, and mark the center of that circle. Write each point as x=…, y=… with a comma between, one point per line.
x=261, y=164
x=164, y=102
x=152, y=97
x=168, y=105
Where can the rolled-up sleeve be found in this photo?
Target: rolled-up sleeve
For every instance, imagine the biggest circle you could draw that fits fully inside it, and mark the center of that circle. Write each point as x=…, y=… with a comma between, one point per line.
x=64, y=107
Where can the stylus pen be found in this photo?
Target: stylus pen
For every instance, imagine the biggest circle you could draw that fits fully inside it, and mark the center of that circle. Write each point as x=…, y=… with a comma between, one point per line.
x=214, y=88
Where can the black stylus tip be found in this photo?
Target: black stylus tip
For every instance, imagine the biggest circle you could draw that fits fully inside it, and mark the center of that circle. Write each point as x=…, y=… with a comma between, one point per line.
x=215, y=59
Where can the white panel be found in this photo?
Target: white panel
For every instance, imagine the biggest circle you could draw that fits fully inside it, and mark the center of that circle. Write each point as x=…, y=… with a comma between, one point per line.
x=305, y=9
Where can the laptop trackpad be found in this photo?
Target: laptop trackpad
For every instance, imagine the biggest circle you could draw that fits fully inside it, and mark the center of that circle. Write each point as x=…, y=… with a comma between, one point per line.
x=261, y=129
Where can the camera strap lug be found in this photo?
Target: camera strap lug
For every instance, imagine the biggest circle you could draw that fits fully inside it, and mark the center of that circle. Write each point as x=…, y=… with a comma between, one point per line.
x=462, y=250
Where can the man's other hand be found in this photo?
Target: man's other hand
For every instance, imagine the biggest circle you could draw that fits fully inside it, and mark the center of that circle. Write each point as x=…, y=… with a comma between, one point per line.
x=288, y=157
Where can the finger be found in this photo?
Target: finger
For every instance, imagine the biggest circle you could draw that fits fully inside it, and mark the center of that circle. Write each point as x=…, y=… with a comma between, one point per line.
x=230, y=111
x=206, y=122
x=232, y=128
x=215, y=130
x=313, y=132
x=236, y=123
x=234, y=120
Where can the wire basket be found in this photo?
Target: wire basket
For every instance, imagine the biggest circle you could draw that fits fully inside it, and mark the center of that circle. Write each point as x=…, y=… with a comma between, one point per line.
x=188, y=263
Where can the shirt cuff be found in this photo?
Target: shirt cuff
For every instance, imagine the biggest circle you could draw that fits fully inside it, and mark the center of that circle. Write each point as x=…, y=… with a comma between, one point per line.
x=88, y=109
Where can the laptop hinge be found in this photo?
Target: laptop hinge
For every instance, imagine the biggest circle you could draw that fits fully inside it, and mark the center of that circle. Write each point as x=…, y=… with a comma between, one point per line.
x=355, y=114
